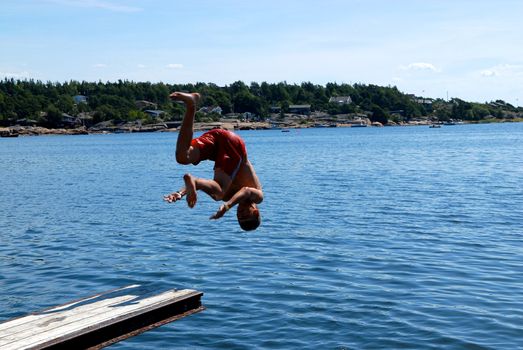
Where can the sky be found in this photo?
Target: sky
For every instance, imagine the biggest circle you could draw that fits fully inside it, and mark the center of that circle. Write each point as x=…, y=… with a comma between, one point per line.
x=467, y=49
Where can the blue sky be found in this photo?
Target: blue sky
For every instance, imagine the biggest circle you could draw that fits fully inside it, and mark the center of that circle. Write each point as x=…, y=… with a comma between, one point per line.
x=468, y=49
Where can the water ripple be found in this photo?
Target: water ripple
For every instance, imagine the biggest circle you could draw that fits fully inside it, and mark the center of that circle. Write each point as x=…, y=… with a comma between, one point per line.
x=419, y=247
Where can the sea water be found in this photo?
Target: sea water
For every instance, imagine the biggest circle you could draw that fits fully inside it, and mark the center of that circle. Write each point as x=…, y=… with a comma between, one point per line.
x=372, y=238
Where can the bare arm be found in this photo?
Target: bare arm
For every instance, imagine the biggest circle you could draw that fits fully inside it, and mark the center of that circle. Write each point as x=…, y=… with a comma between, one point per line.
x=175, y=196
x=245, y=194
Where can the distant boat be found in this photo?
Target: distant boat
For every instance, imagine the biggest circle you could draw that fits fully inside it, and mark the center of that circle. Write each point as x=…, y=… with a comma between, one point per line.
x=435, y=126
x=359, y=125
x=285, y=130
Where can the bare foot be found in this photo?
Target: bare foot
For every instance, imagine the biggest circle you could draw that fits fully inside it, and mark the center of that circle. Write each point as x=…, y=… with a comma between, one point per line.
x=187, y=98
x=190, y=187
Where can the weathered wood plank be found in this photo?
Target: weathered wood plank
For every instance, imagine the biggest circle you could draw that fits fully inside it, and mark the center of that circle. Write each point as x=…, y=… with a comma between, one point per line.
x=78, y=307
x=99, y=320
x=105, y=299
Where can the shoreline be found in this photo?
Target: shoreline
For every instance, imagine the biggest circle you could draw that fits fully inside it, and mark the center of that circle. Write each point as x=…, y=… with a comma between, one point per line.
x=17, y=130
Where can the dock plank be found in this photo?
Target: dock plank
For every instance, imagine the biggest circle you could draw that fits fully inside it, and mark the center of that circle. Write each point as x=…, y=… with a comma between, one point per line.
x=99, y=320
x=114, y=297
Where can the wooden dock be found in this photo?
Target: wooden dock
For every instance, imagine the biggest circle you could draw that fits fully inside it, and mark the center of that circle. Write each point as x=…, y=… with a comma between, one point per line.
x=100, y=320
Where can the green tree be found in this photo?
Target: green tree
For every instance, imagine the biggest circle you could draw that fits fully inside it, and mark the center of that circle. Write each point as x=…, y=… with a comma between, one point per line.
x=53, y=118
x=479, y=111
x=244, y=101
x=65, y=104
x=105, y=113
x=379, y=115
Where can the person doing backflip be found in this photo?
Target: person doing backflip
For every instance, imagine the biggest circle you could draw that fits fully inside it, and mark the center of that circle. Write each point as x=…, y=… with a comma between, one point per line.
x=235, y=181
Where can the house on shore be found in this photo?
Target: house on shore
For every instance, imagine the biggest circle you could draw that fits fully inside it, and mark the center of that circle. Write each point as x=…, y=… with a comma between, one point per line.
x=420, y=100
x=26, y=122
x=70, y=121
x=300, y=109
x=211, y=109
x=79, y=99
x=142, y=104
x=275, y=109
x=155, y=113
x=86, y=118
x=340, y=100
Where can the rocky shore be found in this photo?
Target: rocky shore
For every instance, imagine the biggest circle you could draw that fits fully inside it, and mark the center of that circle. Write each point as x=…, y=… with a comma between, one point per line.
x=15, y=131
x=109, y=128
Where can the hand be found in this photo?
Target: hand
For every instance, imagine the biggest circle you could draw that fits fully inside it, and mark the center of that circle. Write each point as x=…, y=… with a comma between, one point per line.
x=223, y=209
x=173, y=197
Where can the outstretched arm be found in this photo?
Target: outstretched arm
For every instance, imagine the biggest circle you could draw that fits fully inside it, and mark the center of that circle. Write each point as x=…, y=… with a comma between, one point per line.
x=175, y=196
x=245, y=194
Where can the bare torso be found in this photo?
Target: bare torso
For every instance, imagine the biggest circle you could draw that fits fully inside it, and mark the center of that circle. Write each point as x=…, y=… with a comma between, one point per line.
x=246, y=177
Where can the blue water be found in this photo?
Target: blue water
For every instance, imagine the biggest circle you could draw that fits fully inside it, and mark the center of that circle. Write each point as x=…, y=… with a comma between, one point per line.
x=372, y=238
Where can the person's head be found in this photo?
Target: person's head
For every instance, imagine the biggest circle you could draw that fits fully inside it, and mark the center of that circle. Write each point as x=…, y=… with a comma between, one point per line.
x=248, y=216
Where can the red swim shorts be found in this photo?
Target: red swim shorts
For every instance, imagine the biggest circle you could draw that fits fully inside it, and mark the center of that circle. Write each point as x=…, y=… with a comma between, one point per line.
x=225, y=148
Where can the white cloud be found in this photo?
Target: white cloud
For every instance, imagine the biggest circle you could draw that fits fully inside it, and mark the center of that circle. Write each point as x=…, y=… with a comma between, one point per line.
x=100, y=65
x=421, y=66
x=104, y=5
x=16, y=75
x=174, y=66
x=141, y=66
x=502, y=70
x=488, y=73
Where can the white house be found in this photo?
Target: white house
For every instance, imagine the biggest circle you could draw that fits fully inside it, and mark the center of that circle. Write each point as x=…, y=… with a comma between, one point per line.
x=341, y=100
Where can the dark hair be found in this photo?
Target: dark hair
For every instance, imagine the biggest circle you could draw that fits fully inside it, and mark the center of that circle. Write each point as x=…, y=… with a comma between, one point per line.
x=250, y=224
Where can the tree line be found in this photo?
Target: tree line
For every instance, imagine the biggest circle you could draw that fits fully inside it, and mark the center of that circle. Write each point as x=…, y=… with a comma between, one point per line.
x=46, y=102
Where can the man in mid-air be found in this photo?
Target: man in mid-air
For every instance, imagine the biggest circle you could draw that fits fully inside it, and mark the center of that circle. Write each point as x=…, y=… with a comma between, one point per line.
x=235, y=181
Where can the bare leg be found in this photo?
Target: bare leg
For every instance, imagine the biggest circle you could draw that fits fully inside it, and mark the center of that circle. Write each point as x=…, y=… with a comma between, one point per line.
x=185, y=154
x=211, y=187
x=194, y=184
